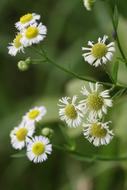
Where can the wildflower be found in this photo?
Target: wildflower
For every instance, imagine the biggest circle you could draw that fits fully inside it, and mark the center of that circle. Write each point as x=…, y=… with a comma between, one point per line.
x=89, y=4
x=100, y=52
x=35, y=114
x=33, y=34
x=97, y=132
x=27, y=20
x=96, y=101
x=38, y=148
x=16, y=46
x=20, y=134
x=70, y=111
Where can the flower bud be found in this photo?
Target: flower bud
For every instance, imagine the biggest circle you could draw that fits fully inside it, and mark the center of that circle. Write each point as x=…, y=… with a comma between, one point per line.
x=24, y=65
x=47, y=132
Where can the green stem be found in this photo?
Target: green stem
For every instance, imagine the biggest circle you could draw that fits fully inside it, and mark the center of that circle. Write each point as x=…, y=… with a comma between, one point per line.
x=89, y=158
x=81, y=77
x=73, y=74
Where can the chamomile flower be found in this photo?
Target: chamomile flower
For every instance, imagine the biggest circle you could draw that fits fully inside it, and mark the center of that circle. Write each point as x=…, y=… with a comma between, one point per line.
x=33, y=34
x=20, y=134
x=35, y=114
x=38, y=148
x=96, y=101
x=70, y=111
x=27, y=20
x=99, y=53
x=16, y=46
x=89, y=4
x=97, y=132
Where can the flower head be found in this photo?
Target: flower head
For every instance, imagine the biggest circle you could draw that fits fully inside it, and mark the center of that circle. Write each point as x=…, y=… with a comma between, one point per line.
x=89, y=4
x=35, y=114
x=20, y=134
x=100, y=52
x=96, y=102
x=27, y=20
x=38, y=148
x=97, y=132
x=16, y=46
x=70, y=111
x=33, y=34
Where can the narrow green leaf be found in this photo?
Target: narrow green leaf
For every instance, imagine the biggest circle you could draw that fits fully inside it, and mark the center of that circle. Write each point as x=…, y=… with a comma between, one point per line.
x=119, y=93
x=116, y=17
x=115, y=71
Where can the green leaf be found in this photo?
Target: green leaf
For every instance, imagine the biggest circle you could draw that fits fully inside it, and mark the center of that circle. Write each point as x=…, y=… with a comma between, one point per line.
x=115, y=71
x=116, y=17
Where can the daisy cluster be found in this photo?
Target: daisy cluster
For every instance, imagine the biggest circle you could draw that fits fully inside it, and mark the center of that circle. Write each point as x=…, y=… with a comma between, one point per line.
x=29, y=32
x=24, y=135
x=93, y=106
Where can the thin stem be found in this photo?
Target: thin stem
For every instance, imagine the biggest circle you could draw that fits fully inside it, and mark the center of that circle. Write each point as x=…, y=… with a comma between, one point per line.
x=48, y=60
x=89, y=158
x=79, y=76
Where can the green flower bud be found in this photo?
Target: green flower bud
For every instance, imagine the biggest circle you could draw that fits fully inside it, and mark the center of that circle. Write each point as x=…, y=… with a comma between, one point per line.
x=47, y=132
x=24, y=65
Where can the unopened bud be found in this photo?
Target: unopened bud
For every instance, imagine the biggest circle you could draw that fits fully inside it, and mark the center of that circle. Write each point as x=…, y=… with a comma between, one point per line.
x=24, y=65
x=47, y=132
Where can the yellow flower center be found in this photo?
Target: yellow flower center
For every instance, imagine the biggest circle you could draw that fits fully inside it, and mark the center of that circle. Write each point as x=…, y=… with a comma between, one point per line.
x=33, y=114
x=98, y=131
x=99, y=50
x=16, y=41
x=94, y=101
x=31, y=32
x=38, y=148
x=21, y=134
x=70, y=111
x=26, y=18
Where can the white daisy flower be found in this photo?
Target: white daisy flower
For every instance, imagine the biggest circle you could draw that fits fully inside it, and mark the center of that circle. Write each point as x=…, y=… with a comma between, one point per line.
x=16, y=46
x=100, y=52
x=35, y=114
x=89, y=4
x=27, y=20
x=96, y=101
x=38, y=148
x=20, y=134
x=97, y=132
x=33, y=34
x=70, y=111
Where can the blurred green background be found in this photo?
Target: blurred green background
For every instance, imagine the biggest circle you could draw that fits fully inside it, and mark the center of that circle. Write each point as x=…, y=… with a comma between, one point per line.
x=70, y=26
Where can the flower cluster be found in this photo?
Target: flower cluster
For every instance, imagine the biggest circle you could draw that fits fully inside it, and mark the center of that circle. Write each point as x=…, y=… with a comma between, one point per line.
x=94, y=105
x=37, y=147
x=29, y=32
